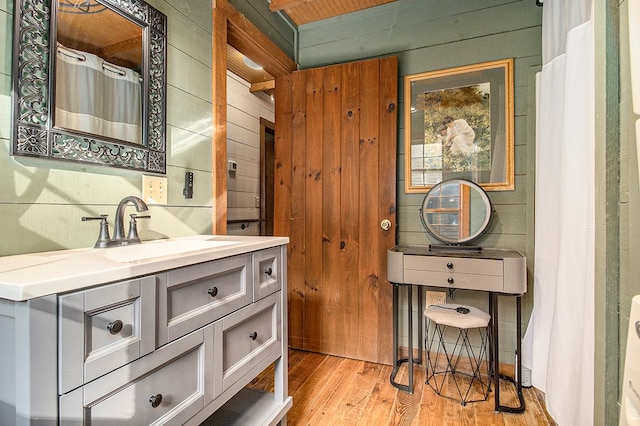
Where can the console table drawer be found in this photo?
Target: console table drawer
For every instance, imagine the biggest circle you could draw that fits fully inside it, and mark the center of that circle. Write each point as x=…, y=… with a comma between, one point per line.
x=104, y=328
x=245, y=338
x=197, y=295
x=454, y=264
x=456, y=280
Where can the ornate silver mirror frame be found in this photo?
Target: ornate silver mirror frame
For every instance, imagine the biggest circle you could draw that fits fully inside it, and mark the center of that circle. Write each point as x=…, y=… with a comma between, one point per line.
x=33, y=101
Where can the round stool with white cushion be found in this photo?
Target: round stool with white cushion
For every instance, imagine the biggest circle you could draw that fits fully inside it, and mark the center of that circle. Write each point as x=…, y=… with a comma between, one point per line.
x=458, y=360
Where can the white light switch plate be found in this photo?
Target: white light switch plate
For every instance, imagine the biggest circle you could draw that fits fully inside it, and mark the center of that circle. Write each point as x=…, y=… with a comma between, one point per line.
x=154, y=189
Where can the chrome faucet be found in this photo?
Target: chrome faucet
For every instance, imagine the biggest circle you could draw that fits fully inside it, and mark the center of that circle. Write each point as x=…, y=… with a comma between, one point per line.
x=119, y=236
x=119, y=239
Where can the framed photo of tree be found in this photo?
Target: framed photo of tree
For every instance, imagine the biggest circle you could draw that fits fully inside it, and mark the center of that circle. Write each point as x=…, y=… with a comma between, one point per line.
x=459, y=124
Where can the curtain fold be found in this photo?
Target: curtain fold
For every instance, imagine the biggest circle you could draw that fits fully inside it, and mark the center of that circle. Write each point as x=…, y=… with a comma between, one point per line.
x=559, y=343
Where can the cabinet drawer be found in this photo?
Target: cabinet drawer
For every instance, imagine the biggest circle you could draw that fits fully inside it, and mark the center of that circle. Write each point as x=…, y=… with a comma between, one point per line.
x=456, y=280
x=267, y=272
x=195, y=296
x=166, y=387
x=454, y=264
x=104, y=328
x=245, y=338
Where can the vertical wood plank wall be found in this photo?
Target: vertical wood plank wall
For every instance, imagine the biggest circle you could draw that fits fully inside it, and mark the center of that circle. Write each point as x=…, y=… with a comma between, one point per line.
x=334, y=182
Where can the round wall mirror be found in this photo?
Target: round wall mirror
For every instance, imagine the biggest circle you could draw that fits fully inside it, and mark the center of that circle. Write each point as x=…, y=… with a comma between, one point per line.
x=456, y=211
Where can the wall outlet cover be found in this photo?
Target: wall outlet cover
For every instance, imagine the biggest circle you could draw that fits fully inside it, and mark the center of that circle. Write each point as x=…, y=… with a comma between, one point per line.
x=436, y=297
x=154, y=189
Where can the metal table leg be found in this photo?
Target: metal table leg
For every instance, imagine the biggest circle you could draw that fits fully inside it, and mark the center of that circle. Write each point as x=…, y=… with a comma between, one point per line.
x=517, y=381
x=398, y=361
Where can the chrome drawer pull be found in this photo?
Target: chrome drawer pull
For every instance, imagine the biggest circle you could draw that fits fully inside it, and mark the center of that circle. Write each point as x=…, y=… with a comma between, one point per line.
x=450, y=280
x=253, y=336
x=213, y=292
x=449, y=265
x=115, y=327
x=156, y=400
x=268, y=271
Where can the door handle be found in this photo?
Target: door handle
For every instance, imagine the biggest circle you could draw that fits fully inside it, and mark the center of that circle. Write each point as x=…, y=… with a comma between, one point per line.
x=385, y=224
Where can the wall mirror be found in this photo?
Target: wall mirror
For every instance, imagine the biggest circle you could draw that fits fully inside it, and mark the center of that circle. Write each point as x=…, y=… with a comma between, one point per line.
x=89, y=82
x=459, y=124
x=456, y=212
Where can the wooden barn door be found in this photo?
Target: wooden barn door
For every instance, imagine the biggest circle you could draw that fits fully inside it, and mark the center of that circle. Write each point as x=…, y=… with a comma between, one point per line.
x=335, y=182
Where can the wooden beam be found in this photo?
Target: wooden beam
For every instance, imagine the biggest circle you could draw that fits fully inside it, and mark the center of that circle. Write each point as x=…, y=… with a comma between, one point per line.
x=247, y=39
x=219, y=97
x=263, y=86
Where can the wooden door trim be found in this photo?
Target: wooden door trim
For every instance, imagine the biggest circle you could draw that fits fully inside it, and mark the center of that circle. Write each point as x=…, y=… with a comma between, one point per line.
x=231, y=27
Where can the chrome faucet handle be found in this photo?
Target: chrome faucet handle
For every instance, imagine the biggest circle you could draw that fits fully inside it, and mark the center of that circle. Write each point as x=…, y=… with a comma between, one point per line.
x=104, y=240
x=132, y=237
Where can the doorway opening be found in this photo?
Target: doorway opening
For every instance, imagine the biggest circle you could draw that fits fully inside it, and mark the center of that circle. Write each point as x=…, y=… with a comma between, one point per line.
x=267, y=139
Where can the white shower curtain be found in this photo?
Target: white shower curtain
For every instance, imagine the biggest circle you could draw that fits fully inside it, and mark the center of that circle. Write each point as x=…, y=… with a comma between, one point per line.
x=97, y=97
x=559, y=343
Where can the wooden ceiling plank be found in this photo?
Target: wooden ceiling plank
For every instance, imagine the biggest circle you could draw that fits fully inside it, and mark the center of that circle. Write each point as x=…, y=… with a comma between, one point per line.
x=306, y=11
x=277, y=5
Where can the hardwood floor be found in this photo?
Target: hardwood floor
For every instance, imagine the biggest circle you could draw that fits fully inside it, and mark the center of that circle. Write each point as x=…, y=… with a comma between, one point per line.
x=329, y=390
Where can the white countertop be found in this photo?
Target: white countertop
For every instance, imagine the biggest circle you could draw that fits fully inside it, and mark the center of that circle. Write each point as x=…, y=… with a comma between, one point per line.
x=28, y=276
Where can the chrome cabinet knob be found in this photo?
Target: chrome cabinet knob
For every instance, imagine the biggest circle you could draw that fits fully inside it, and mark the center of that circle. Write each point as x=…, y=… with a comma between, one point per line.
x=115, y=327
x=450, y=280
x=253, y=336
x=213, y=292
x=268, y=271
x=156, y=400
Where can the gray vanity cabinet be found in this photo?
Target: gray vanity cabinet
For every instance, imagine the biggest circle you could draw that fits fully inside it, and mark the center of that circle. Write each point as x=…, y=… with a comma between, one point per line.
x=104, y=328
x=169, y=342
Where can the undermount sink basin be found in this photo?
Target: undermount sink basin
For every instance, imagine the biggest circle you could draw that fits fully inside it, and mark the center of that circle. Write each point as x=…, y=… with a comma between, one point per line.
x=162, y=248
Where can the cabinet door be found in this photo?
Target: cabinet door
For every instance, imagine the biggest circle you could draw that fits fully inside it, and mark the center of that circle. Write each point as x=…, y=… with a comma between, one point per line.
x=165, y=387
x=104, y=328
x=267, y=272
x=245, y=338
x=197, y=295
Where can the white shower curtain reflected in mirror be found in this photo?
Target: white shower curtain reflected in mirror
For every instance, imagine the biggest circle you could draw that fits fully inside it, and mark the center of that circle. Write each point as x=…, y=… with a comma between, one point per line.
x=96, y=97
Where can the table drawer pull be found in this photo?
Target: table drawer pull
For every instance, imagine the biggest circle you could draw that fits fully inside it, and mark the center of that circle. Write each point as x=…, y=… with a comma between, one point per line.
x=450, y=280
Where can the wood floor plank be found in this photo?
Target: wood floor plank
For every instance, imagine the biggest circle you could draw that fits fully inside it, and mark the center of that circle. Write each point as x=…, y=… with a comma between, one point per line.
x=316, y=390
x=329, y=390
x=380, y=405
x=333, y=409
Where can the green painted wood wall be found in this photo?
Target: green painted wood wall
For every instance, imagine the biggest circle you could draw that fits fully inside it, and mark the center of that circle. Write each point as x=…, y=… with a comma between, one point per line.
x=628, y=220
x=41, y=202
